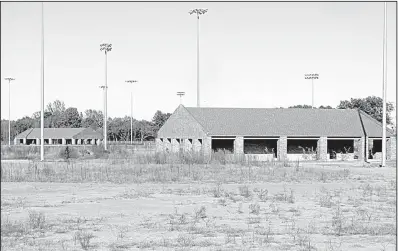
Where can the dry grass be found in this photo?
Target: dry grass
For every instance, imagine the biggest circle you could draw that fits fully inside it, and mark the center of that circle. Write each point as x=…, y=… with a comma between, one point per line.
x=136, y=204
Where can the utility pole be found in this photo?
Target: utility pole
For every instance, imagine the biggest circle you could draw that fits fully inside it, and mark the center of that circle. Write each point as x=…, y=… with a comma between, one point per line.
x=9, y=109
x=384, y=145
x=312, y=76
x=131, y=115
x=198, y=12
x=180, y=94
x=42, y=85
x=106, y=47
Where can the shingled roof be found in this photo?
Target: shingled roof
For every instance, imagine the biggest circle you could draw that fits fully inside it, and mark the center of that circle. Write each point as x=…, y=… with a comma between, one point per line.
x=59, y=133
x=291, y=122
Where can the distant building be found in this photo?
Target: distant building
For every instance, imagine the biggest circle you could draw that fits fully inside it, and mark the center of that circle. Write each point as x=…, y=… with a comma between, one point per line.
x=59, y=136
x=283, y=134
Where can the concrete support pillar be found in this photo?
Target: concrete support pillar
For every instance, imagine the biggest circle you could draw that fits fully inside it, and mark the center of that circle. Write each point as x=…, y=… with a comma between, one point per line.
x=159, y=145
x=167, y=144
x=37, y=141
x=388, y=148
x=187, y=145
x=73, y=141
x=50, y=141
x=393, y=148
x=359, y=148
x=15, y=141
x=175, y=146
x=63, y=141
x=24, y=141
x=206, y=148
x=322, y=153
x=238, y=145
x=93, y=141
x=196, y=145
x=282, y=148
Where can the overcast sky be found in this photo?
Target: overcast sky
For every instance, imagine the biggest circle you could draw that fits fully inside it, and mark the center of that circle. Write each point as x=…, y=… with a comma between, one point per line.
x=252, y=54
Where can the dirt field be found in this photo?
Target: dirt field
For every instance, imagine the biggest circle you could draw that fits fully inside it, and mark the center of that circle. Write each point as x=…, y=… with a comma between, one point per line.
x=343, y=208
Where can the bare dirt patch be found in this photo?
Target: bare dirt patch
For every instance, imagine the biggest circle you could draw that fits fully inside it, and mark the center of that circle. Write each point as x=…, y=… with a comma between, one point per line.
x=233, y=208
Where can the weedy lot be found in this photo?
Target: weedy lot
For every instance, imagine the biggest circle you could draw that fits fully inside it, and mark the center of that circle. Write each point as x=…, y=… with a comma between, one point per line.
x=130, y=205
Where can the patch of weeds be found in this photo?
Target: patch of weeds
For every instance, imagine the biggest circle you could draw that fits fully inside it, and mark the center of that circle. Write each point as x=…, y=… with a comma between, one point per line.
x=245, y=191
x=217, y=191
x=83, y=238
x=200, y=213
x=185, y=240
x=222, y=202
x=263, y=195
x=37, y=220
x=254, y=208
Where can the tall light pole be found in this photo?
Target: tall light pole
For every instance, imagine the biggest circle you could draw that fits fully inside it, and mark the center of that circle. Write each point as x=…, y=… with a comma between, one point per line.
x=103, y=87
x=384, y=145
x=9, y=109
x=42, y=86
x=131, y=111
x=198, y=12
x=312, y=76
x=180, y=94
x=106, y=47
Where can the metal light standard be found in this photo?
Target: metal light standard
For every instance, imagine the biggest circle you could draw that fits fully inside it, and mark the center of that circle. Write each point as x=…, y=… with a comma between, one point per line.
x=105, y=47
x=312, y=76
x=383, y=142
x=180, y=94
x=131, y=115
x=198, y=12
x=9, y=109
x=103, y=87
x=42, y=85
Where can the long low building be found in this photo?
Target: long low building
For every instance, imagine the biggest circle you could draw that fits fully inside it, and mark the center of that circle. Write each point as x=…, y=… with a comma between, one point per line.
x=282, y=134
x=59, y=136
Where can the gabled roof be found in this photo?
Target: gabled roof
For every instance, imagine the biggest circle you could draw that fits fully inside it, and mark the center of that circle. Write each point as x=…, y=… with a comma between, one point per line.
x=296, y=122
x=59, y=133
x=373, y=128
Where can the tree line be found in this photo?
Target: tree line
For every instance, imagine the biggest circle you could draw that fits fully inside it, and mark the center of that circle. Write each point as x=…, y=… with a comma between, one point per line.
x=56, y=115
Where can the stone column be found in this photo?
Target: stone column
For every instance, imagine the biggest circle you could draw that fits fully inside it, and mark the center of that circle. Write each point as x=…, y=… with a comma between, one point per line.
x=196, y=145
x=73, y=141
x=159, y=145
x=37, y=141
x=359, y=148
x=282, y=148
x=93, y=141
x=167, y=145
x=206, y=148
x=238, y=145
x=24, y=141
x=63, y=141
x=187, y=145
x=322, y=153
x=393, y=147
x=50, y=141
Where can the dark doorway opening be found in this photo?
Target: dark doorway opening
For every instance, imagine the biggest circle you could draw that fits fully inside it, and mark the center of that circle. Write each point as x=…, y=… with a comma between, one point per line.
x=302, y=146
x=377, y=146
x=260, y=146
x=222, y=145
x=340, y=146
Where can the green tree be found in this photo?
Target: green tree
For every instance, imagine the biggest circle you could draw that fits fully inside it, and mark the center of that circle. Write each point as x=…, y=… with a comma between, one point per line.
x=372, y=105
x=70, y=119
x=160, y=118
x=93, y=119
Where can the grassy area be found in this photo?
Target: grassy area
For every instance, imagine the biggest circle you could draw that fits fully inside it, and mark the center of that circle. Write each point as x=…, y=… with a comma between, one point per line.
x=156, y=202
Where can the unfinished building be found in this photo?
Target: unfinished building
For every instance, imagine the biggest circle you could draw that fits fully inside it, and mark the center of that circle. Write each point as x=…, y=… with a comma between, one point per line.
x=59, y=136
x=280, y=134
